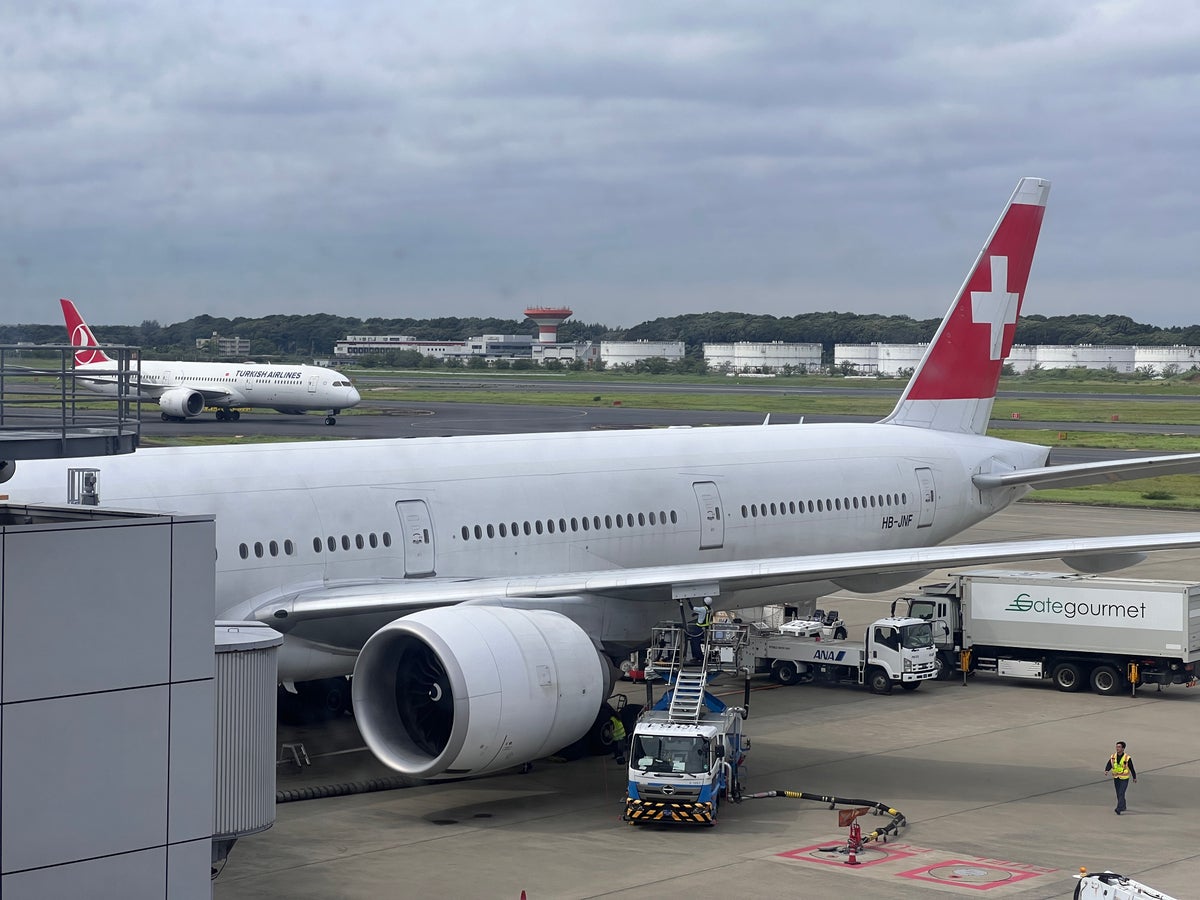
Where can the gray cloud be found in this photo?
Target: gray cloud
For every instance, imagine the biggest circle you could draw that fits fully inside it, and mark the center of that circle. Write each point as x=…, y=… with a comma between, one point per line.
x=631, y=160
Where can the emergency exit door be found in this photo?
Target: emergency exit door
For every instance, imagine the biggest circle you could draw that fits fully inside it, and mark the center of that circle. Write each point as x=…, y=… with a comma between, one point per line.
x=712, y=518
x=928, y=495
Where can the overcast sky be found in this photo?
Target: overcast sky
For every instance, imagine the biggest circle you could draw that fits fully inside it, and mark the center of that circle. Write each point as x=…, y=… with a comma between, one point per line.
x=628, y=159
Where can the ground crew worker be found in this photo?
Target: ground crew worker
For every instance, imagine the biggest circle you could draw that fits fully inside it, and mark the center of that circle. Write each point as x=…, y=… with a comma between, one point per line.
x=698, y=627
x=618, y=736
x=1120, y=764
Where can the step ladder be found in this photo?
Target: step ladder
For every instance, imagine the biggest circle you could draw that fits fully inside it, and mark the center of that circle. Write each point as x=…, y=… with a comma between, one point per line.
x=687, y=696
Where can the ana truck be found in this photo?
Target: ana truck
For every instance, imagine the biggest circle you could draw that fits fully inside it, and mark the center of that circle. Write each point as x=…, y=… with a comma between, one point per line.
x=1075, y=630
x=896, y=650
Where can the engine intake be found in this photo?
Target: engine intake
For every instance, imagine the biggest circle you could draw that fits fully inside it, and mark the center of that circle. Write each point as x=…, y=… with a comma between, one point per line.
x=469, y=690
x=182, y=403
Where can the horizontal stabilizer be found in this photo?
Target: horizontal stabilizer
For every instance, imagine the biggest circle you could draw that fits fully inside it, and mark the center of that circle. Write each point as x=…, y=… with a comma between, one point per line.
x=1092, y=473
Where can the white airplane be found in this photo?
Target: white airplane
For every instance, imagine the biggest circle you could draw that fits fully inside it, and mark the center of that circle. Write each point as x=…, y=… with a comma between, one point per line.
x=186, y=389
x=480, y=588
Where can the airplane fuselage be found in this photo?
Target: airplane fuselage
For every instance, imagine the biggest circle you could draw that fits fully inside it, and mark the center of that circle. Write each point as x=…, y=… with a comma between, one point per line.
x=287, y=388
x=516, y=505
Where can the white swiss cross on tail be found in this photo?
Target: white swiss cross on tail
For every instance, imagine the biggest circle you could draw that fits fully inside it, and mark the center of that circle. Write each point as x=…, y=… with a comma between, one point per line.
x=955, y=382
x=997, y=307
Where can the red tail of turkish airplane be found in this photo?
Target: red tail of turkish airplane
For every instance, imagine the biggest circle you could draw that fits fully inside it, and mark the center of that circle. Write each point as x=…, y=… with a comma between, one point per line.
x=80, y=335
x=955, y=383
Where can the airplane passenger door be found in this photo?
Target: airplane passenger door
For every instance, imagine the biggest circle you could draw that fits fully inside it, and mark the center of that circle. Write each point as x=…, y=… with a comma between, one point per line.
x=312, y=383
x=712, y=520
x=928, y=497
x=416, y=532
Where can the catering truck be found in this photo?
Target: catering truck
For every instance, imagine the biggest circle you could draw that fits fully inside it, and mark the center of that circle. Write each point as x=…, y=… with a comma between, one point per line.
x=1075, y=630
x=897, y=650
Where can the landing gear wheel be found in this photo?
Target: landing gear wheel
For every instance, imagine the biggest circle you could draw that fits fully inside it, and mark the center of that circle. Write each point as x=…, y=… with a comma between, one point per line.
x=1067, y=677
x=786, y=673
x=222, y=415
x=879, y=682
x=166, y=418
x=1107, y=681
x=234, y=415
x=330, y=420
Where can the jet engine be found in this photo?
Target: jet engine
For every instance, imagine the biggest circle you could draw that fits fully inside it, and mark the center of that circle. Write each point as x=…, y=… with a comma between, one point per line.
x=472, y=689
x=182, y=403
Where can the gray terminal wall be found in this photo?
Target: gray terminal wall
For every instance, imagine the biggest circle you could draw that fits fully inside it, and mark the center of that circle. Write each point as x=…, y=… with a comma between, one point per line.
x=106, y=703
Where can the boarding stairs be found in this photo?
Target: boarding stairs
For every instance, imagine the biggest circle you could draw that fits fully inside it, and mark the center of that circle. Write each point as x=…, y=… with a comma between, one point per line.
x=668, y=660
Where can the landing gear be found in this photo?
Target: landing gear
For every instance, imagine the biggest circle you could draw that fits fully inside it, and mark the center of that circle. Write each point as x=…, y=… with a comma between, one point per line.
x=330, y=420
x=228, y=415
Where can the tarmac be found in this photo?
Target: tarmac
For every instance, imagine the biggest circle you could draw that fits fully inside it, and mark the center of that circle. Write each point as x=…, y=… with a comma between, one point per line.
x=1001, y=783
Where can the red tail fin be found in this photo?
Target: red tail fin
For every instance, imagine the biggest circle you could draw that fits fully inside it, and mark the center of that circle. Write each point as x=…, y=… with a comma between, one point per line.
x=955, y=383
x=81, y=336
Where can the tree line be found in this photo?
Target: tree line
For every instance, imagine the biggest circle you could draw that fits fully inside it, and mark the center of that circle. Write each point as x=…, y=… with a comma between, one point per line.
x=299, y=337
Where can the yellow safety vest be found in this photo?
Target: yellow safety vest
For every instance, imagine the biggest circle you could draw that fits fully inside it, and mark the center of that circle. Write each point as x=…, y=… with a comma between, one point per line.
x=1120, y=768
x=618, y=730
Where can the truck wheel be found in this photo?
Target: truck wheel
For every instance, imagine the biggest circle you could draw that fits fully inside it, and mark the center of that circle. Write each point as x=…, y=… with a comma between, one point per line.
x=786, y=673
x=878, y=681
x=910, y=685
x=1106, y=680
x=1067, y=677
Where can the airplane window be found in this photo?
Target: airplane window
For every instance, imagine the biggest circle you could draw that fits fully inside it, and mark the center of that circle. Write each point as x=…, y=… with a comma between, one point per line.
x=273, y=548
x=641, y=518
x=792, y=507
x=629, y=519
x=562, y=525
x=387, y=539
x=478, y=533
x=316, y=545
x=258, y=549
x=537, y=526
x=608, y=523
x=491, y=532
x=662, y=516
x=855, y=500
x=372, y=540
x=243, y=551
x=345, y=542
x=331, y=543
x=585, y=522
x=466, y=533
x=675, y=518
x=745, y=511
x=872, y=502
x=550, y=526
x=652, y=520
x=359, y=542
x=620, y=521
x=526, y=529
x=820, y=505
x=904, y=499
x=289, y=549
x=503, y=530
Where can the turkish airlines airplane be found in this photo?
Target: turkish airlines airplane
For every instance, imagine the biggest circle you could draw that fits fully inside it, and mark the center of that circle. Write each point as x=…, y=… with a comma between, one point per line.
x=186, y=389
x=480, y=588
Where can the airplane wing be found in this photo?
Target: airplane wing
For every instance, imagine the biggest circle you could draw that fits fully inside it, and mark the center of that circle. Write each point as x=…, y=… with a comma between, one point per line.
x=154, y=391
x=1091, y=473
x=398, y=597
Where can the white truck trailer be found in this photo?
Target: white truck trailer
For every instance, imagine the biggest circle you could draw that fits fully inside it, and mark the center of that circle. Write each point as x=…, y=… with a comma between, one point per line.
x=1076, y=630
x=896, y=650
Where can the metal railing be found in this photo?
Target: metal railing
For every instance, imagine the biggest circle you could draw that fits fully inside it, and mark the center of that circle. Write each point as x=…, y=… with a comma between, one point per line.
x=49, y=410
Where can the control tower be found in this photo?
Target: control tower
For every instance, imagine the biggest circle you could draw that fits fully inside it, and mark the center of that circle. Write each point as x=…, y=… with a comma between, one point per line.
x=548, y=319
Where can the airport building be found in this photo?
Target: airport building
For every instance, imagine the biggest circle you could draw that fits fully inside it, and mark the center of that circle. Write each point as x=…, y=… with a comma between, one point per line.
x=878, y=359
x=225, y=346
x=626, y=353
x=764, y=356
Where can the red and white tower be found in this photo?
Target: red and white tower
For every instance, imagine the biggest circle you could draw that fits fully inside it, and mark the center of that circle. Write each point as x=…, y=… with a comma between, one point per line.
x=548, y=319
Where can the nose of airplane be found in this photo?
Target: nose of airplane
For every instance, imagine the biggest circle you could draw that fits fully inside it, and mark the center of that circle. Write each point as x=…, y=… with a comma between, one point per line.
x=352, y=396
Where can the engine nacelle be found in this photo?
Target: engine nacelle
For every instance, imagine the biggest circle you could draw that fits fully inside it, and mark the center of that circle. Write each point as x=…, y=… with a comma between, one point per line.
x=472, y=689
x=182, y=403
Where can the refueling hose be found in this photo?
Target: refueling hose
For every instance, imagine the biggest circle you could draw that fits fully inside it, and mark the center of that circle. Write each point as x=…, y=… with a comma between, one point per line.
x=879, y=834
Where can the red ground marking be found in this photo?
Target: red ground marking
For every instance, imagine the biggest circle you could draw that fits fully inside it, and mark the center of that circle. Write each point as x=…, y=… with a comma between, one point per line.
x=922, y=874
x=804, y=854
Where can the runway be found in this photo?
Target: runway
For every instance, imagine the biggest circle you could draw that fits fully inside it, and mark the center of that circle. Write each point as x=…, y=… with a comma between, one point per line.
x=1001, y=782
